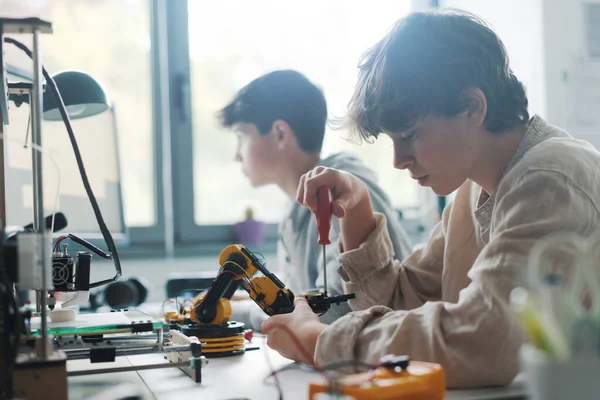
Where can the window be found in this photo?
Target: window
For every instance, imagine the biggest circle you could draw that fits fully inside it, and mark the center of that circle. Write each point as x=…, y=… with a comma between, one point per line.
x=110, y=40
x=233, y=42
x=169, y=66
x=63, y=188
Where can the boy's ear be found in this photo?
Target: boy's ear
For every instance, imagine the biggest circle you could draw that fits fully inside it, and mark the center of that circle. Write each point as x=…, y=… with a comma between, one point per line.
x=283, y=133
x=476, y=106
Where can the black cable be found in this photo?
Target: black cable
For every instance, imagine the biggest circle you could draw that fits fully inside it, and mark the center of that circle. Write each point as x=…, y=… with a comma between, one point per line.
x=88, y=189
x=309, y=368
x=328, y=367
x=90, y=246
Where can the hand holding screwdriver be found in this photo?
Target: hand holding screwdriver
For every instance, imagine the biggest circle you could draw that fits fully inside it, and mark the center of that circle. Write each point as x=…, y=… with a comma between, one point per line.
x=321, y=302
x=351, y=202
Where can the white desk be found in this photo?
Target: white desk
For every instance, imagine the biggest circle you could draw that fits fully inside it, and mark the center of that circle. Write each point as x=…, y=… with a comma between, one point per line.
x=230, y=378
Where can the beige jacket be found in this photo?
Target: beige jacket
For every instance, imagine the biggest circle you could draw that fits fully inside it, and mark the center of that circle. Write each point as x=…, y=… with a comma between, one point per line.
x=447, y=303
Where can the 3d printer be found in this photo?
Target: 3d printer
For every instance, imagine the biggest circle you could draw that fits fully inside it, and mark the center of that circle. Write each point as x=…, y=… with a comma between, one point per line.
x=34, y=356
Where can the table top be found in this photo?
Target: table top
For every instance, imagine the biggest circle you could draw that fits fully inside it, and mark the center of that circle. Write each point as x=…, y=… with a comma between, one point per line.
x=239, y=377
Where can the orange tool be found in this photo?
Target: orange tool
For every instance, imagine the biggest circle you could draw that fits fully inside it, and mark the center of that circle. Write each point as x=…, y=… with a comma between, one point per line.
x=323, y=214
x=414, y=381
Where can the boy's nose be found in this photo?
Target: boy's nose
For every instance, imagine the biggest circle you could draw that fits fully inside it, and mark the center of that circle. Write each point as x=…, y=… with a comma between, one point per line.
x=403, y=161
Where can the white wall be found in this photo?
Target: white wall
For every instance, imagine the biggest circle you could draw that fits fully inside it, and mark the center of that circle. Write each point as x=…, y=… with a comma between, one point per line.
x=519, y=26
x=546, y=43
x=572, y=78
x=563, y=36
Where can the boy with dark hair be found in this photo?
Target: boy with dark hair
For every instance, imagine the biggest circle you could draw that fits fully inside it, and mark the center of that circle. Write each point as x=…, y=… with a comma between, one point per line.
x=280, y=120
x=439, y=85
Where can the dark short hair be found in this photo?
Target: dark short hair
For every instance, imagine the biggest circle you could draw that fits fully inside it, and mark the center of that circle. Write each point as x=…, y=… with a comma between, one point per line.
x=424, y=64
x=281, y=95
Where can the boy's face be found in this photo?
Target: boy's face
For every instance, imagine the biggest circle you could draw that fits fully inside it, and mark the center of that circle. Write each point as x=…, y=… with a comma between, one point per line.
x=439, y=152
x=256, y=153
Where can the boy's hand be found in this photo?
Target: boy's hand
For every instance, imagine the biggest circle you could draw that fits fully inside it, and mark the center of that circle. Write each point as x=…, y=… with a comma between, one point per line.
x=351, y=202
x=347, y=191
x=294, y=335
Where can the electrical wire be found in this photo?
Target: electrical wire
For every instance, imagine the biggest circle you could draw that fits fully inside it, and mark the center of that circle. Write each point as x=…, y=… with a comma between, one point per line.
x=57, y=242
x=179, y=308
x=248, y=282
x=327, y=367
x=108, y=239
x=305, y=353
x=274, y=375
x=323, y=370
x=348, y=363
x=263, y=258
x=309, y=368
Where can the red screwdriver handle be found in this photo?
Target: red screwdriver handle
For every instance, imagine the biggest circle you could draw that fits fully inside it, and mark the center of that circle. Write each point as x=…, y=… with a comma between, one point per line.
x=324, y=212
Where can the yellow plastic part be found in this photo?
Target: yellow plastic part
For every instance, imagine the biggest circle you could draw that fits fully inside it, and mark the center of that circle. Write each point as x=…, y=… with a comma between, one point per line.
x=420, y=381
x=223, y=309
x=261, y=289
x=266, y=287
x=222, y=345
x=237, y=248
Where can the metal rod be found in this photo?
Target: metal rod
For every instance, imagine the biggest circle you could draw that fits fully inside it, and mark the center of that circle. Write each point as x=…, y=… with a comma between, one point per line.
x=165, y=128
x=160, y=337
x=132, y=337
x=324, y=271
x=38, y=198
x=130, y=368
x=2, y=174
x=38, y=305
x=80, y=354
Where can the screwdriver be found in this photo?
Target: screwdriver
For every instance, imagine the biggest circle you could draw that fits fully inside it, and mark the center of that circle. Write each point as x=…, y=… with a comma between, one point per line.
x=323, y=214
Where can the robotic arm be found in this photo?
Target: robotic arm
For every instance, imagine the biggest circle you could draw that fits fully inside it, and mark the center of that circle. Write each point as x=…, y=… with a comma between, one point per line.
x=239, y=267
x=211, y=311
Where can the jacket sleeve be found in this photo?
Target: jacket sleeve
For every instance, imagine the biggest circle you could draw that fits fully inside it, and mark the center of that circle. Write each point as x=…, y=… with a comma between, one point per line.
x=401, y=243
x=400, y=285
x=477, y=339
x=398, y=241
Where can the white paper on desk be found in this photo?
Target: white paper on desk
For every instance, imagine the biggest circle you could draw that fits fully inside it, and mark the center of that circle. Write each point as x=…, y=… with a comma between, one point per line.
x=85, y=321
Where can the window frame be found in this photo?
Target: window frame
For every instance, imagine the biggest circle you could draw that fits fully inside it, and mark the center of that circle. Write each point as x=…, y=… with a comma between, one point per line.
x=186, y=230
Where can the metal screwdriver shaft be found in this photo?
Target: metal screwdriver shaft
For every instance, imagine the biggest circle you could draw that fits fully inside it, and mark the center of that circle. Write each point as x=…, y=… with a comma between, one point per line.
x=323, y=214
x=324, y=270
